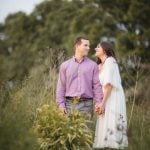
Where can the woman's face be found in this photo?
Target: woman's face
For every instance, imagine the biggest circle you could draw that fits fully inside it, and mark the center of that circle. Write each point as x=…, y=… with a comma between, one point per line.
x=99, y=51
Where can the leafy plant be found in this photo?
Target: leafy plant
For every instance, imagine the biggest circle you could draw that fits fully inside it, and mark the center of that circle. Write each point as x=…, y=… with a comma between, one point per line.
x=58, y=131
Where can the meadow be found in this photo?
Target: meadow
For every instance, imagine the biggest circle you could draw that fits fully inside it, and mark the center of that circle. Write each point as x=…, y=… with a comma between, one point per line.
x=30, y=119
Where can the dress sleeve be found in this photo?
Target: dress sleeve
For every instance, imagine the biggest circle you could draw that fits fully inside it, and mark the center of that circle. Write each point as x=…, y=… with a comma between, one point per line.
x=111, y=74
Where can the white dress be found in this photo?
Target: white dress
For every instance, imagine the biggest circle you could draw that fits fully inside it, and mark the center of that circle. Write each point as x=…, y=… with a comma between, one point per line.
x=111, y=127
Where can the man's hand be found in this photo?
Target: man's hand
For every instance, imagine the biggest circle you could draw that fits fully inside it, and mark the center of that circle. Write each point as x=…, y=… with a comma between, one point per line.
x=100, y=108
x=97, y=109
x=63, y=110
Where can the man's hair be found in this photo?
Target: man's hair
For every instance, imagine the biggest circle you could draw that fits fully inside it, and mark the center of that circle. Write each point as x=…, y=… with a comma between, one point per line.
x=78, y=40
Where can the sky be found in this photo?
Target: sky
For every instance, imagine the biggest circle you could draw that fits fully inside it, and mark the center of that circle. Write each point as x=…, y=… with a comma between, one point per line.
x=12, y=6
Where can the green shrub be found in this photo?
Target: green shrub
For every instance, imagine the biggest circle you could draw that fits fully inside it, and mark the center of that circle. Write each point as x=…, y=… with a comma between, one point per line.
x=56, y=131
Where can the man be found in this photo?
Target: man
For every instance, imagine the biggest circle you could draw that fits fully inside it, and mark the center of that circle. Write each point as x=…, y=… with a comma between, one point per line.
x=78, y=82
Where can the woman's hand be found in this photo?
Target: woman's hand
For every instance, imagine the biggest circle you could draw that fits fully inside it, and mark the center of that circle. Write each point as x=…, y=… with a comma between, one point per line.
x=100, y=108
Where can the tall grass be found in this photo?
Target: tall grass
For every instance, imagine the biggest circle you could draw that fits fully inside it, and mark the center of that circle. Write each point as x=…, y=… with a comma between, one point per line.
x=138, y=105
x=18, y=107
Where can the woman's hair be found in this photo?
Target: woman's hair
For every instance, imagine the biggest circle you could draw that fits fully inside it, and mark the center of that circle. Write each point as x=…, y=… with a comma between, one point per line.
x=108, y=49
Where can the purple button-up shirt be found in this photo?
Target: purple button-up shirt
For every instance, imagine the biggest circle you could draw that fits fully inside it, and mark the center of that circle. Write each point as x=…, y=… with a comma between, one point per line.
x=78, y=79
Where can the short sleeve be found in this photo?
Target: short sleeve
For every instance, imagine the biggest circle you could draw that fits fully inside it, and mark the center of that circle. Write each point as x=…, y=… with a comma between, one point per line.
x=111, y=73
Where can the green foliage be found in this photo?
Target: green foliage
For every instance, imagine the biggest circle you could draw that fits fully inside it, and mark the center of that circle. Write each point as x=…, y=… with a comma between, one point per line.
x=15, y=125
x=18, y=106
x=55, y=24
x=19, y=119
x=133, y=71
x=138, y=131
x=33, y=46
x=58, y=131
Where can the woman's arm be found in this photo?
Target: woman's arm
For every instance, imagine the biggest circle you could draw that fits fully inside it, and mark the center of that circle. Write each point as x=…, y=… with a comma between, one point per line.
x=107, y=91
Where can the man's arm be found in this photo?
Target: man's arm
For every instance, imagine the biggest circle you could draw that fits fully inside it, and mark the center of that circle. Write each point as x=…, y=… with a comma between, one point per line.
x=61, y=87
x=97, y=88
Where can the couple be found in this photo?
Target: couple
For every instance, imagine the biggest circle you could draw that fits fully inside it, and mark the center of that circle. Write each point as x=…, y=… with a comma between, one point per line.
x=82, y=80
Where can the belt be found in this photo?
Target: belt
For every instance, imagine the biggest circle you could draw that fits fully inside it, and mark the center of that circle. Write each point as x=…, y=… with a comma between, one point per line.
x=77, y=99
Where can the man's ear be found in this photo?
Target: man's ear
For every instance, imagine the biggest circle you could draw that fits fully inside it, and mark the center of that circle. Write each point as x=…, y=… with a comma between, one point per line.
x=76, y=46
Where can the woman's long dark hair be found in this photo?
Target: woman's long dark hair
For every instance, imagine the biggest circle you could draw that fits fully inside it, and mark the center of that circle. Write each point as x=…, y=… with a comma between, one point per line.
x=108, y=49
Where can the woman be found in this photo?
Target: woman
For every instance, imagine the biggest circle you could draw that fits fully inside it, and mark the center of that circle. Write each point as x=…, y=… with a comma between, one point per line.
x=111, y=123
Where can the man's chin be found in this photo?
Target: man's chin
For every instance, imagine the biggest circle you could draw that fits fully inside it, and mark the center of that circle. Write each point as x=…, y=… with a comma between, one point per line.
x=85, y=55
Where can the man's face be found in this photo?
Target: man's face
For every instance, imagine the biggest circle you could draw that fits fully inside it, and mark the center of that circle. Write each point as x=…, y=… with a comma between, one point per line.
x=83, y=48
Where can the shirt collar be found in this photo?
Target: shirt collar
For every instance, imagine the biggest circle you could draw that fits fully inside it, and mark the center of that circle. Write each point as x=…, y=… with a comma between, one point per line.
x=74, y=59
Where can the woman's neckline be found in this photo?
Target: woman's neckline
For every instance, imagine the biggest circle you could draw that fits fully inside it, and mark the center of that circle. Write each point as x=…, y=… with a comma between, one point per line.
x=104, y=61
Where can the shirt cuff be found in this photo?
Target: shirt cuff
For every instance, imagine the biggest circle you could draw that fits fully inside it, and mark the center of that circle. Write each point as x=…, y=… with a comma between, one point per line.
x=62, y=105
x=98, y=101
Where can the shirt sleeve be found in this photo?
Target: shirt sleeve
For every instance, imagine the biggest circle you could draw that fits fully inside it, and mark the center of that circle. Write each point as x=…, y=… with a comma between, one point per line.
x=97, y=88
x=61, y=87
